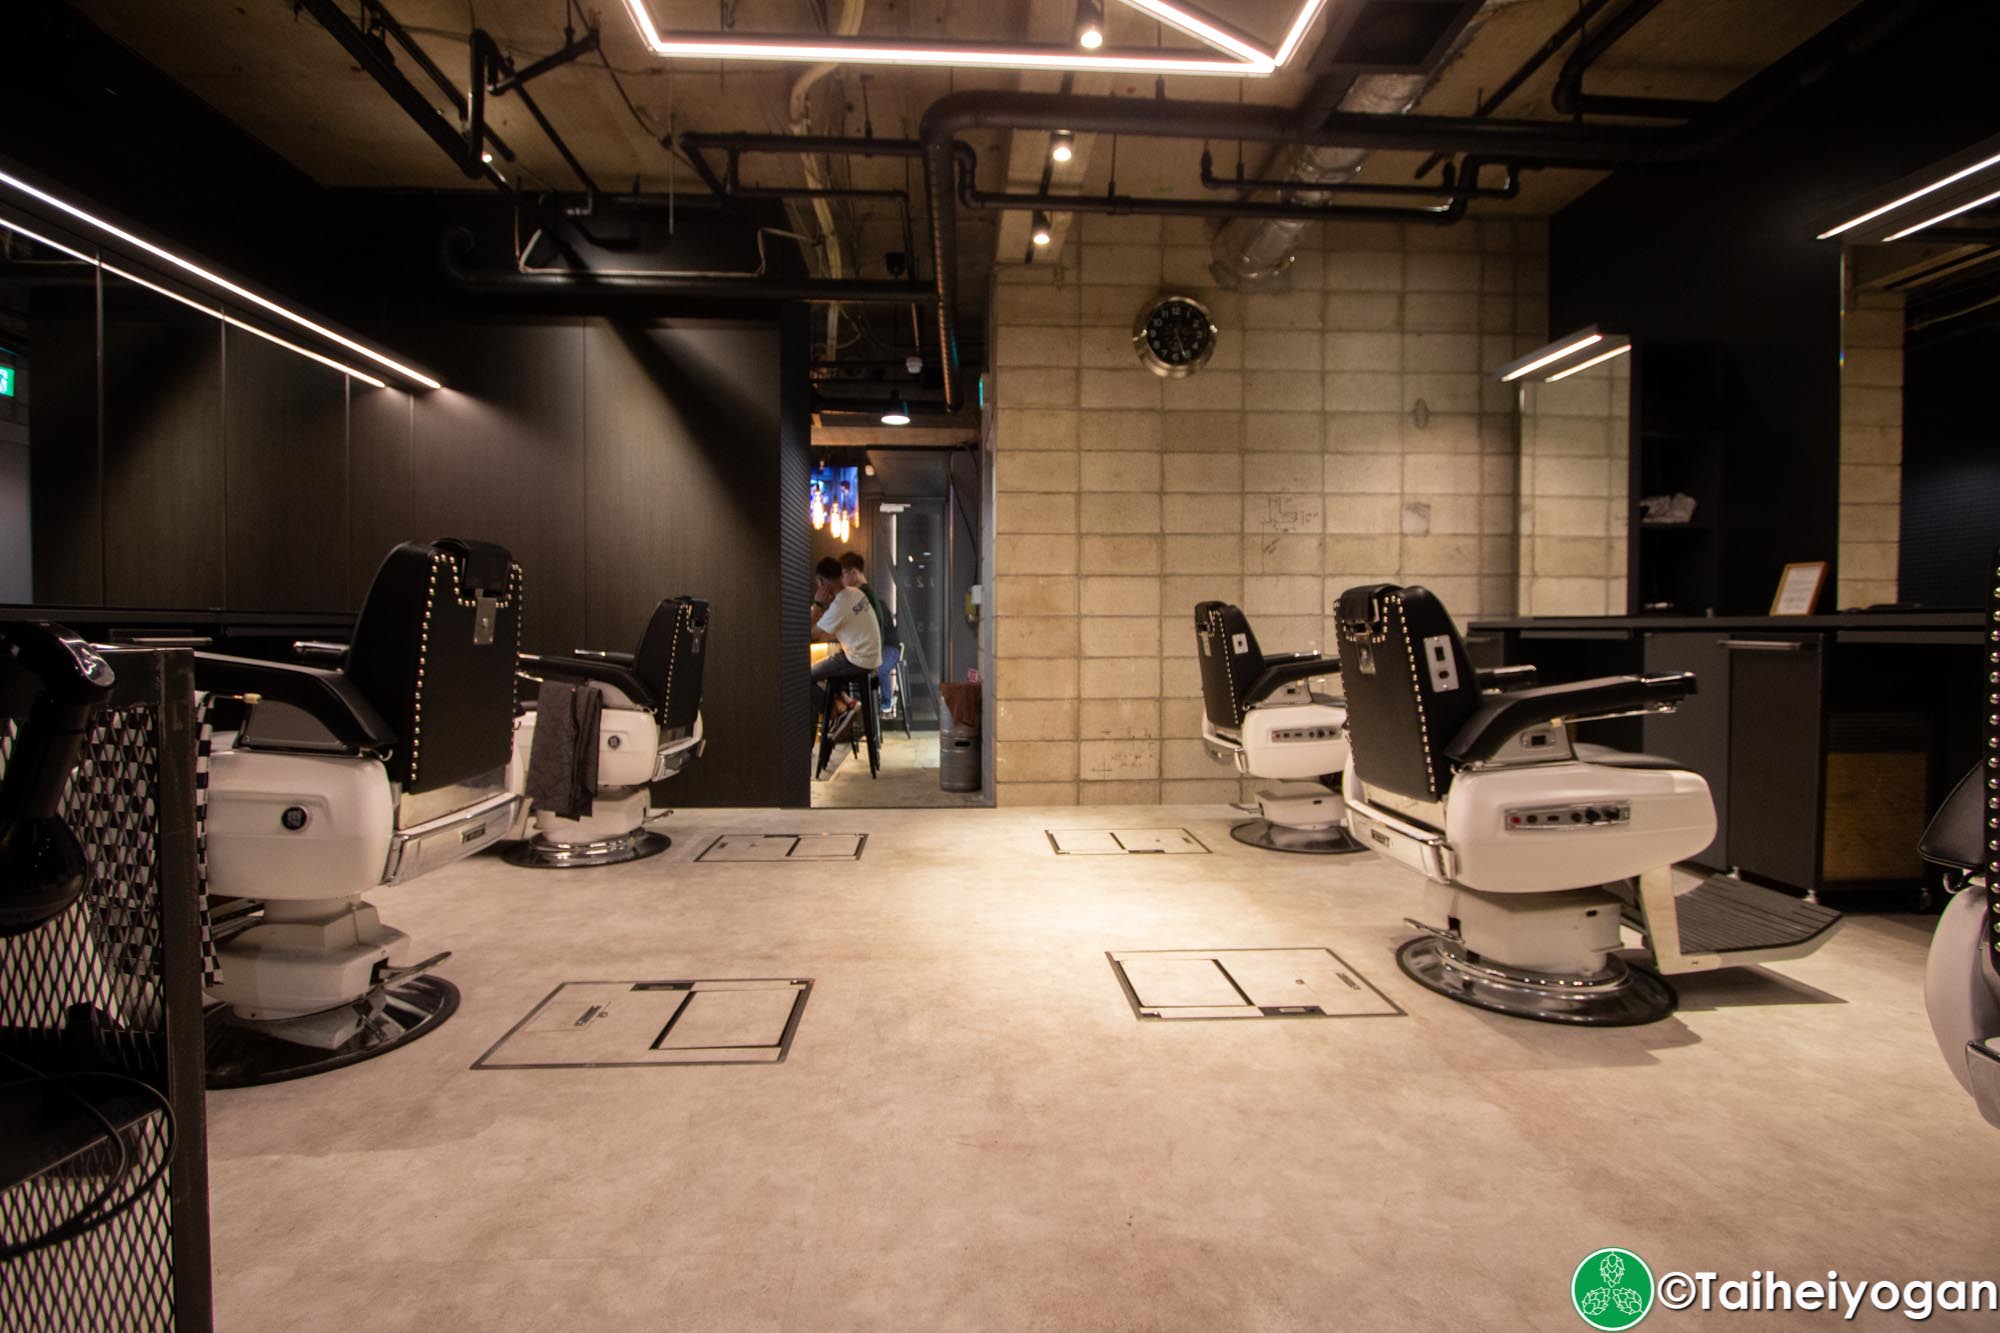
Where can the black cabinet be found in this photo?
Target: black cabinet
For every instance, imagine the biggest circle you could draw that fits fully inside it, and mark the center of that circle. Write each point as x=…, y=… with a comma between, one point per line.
x=1777, y=758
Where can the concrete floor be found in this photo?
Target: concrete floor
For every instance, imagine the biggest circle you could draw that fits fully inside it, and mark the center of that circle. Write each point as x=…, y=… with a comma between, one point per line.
x=973, y=1132
x=908, y=779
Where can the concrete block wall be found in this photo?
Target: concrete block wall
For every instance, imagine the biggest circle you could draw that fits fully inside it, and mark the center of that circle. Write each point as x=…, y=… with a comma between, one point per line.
x=1871, y=449
x=1347, y=431
x=1575, y=486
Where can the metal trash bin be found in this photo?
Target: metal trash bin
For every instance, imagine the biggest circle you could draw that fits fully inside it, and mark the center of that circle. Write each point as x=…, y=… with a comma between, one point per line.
x=958, y=737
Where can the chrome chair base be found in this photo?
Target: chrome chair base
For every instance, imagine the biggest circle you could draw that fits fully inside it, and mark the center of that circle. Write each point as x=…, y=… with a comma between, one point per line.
x=542, y=853
x=1622, y=995
x=1335, y=841
x=244, y=1052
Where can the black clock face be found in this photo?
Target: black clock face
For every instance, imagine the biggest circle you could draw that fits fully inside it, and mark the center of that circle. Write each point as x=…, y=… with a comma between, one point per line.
x=1178, y=332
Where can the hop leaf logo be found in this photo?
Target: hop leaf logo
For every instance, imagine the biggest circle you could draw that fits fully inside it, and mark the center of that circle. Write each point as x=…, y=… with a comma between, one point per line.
x=1612, y=1290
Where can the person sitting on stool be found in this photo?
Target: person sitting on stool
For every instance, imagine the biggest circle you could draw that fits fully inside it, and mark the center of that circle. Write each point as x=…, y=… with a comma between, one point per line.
x=854, y=574
x=845, y=618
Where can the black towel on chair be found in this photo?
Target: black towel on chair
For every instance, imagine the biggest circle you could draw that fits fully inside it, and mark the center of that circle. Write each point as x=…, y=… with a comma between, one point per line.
x=562, y=766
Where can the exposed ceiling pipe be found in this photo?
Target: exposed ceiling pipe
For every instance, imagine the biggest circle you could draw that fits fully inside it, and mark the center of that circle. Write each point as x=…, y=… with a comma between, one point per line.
x=1523, y=143
x=801, y=123
x=1255, y=254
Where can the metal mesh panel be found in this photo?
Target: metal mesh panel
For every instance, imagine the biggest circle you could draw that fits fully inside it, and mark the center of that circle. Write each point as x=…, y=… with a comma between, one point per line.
x=108, y=951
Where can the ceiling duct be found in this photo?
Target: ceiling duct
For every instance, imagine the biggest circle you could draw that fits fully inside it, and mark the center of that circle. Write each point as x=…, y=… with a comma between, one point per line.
x=1255, y=254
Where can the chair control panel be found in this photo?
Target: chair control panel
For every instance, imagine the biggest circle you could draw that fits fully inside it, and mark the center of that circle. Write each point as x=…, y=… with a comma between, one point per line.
x=1282, y=735
x=1569, y=816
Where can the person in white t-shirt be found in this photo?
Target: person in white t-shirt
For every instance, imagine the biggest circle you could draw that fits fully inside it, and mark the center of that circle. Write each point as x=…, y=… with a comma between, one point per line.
x=846, y=618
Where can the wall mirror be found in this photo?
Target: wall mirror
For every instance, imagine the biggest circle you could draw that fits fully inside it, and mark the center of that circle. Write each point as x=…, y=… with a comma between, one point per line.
x=1575, y=475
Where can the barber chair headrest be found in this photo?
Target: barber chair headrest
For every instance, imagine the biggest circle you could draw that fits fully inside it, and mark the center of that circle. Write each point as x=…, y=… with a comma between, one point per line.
x=485, y=566
x=1230, y=660
x=434, y=650
x=1409, y=684
x=670, y=659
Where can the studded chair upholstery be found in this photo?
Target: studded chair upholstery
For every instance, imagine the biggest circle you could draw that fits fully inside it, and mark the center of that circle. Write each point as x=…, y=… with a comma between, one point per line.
x=1962, y=974
x=1261, y=717
x=372, y=771
x=1536, y=849
x=649, y=729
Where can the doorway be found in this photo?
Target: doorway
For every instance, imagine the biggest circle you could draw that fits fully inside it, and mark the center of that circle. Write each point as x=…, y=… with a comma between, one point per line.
x=917, y=529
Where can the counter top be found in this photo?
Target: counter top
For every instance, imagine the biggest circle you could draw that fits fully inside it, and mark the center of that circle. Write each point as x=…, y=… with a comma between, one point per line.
x=1847, y=624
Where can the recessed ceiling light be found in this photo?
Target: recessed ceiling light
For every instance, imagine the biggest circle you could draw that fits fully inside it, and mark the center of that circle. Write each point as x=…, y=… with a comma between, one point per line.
x=1981, y=201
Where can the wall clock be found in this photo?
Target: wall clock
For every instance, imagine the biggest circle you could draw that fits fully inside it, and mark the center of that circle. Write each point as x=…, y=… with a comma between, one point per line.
x=1174, y=336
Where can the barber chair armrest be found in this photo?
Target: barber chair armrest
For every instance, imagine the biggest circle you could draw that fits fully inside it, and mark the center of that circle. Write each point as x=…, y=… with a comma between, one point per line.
x=1285, y=669
x=617, y=659
x=1506, y=677
x=328, y=697
x=590, y=670
x=319, y=652
x=1503, y=716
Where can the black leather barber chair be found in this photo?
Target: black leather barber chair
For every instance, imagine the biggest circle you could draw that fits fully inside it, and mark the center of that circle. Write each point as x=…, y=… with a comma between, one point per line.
x=648, y=729
x=1262, y=717
x=1537, y=848
x=338, y=780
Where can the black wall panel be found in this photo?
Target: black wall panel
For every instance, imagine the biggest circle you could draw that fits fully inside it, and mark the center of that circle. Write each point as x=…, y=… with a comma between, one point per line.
x=381, y=483
x=499, y=456
x=619, y=462
x=680, y=437
x=166, y=477
x=285, y=448
x=62, y=447
x=1720, y=254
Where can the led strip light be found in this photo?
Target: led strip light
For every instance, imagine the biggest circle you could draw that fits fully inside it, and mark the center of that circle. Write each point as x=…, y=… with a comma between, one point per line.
x=1240, y=56
x=215, y=312
x=1909, y=198
x=1597, y=360
x=215, y=279
x=1566, y=350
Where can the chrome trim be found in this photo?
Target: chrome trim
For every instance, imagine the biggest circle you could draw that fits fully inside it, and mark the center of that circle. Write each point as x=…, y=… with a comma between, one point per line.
x=459, y=834
x=1432, y=855
x=412, y=811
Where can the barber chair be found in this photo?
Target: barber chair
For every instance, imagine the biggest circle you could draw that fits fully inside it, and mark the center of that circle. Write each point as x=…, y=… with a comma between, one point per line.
x=1962, y=975
x=1261, y=717
x=650, y=729
x=1536, y=848
x=339, y=779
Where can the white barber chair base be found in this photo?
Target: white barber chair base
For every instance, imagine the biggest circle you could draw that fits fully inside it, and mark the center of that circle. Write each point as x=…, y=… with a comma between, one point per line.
x=630, y=758
x=1962, y=995
x=609, y=834
x=1561, y=964
x=1305, y=817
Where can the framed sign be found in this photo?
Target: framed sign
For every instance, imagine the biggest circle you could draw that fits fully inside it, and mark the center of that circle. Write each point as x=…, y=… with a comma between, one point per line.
x=1798, y=589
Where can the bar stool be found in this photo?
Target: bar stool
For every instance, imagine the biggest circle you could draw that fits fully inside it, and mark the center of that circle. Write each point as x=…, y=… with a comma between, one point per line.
x=871, y=718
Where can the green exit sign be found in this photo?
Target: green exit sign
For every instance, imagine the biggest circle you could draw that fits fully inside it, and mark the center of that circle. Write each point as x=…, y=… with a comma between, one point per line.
x=6, y=381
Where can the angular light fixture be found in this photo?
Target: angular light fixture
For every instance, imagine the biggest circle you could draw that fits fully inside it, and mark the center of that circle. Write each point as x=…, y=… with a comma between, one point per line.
x=1042, y=234
x=1598, y=360
x=215, y=312
x=1234, y=53
x=213, y=279
x=1956, y=171
x=1566, y=356
x=1062, y=145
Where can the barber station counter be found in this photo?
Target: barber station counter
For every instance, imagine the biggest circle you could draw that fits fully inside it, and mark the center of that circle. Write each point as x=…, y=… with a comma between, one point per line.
x=268, y=634
x=1827, y=741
